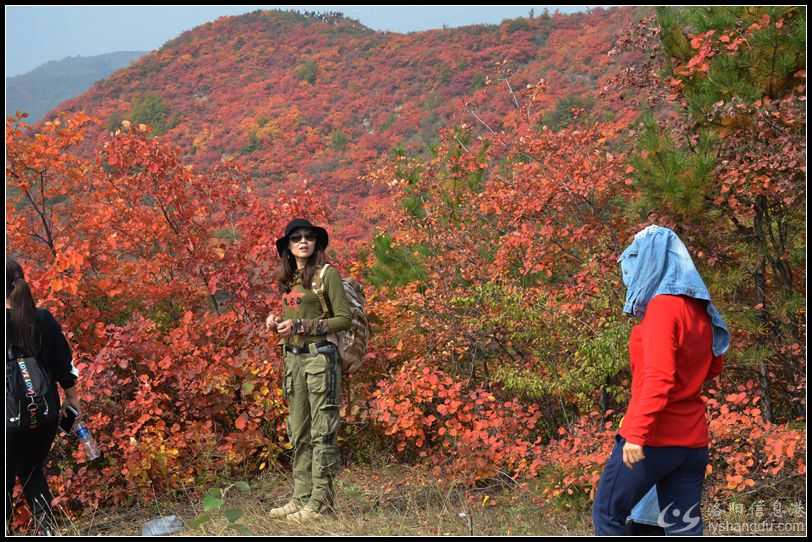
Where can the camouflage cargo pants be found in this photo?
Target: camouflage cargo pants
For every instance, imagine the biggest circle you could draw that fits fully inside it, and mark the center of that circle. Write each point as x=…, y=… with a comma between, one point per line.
x=312, y=388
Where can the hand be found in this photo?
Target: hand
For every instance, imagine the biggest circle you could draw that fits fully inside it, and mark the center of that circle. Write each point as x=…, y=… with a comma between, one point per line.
x=285, y=328
x=271, y=322
x=71, y=399
x=632, y=453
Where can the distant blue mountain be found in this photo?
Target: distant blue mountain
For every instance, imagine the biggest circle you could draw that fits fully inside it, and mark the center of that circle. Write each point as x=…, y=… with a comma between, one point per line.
x=42, y=89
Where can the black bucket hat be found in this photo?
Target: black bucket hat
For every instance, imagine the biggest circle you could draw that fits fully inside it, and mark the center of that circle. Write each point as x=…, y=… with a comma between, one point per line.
x=300, y=223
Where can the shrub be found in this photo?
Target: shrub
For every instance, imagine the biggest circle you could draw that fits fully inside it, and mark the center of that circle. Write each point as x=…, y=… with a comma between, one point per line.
x=467, y=435
x=307, y=72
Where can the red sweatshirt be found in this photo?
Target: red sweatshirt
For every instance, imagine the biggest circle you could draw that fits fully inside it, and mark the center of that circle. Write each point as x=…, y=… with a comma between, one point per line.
x=671, y=357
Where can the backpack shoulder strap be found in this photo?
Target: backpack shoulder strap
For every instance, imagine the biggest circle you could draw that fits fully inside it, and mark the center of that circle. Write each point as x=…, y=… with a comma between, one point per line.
x=13, y=354
x=319, y=290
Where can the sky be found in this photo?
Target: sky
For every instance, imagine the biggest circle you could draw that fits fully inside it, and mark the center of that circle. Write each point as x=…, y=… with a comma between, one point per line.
x=38, y=34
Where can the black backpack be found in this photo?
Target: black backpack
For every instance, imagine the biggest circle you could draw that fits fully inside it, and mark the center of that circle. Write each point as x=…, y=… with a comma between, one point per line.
x=30, y=401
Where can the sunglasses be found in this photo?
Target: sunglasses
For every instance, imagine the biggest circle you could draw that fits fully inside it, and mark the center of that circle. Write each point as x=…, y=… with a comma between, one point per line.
x=309, y=237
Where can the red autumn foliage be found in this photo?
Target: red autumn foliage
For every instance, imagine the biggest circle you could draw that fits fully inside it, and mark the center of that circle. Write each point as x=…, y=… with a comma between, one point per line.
x=160, y=277
x=517, y=229
x=288, y=96
x=155, y=253
x=466, y=435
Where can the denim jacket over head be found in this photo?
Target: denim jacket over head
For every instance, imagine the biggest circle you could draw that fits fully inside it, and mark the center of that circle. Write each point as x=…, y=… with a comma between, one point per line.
x=657, y=262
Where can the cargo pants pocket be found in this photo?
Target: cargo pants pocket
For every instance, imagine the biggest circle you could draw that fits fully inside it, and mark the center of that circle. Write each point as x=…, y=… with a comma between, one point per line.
x=316, y=375
x=322, y=384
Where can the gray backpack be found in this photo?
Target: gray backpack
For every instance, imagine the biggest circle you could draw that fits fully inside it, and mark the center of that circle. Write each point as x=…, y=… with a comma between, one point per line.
x=352, y=343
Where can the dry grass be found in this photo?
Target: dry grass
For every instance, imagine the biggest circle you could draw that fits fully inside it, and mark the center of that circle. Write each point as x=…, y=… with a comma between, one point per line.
x=385, y=500
x=389, y=500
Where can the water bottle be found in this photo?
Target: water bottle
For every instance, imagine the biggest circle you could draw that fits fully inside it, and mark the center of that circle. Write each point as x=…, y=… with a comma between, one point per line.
x=162, y=526
x=87, y=441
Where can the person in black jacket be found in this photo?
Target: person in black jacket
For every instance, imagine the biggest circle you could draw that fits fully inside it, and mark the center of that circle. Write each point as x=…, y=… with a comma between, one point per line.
x=34, y=332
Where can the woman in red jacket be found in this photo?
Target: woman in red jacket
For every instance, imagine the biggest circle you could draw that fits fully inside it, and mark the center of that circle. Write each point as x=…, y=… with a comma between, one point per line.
x=675, y=348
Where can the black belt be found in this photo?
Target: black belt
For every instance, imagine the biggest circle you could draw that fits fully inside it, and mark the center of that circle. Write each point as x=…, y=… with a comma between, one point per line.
x=305, y=349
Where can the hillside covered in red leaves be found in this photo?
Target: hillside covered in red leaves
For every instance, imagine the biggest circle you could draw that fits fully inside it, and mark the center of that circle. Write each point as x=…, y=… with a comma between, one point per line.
x=294, y=97
x=491, y=176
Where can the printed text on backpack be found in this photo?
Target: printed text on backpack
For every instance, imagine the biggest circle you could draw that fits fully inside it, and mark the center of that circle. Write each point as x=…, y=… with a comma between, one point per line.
x=29, y=400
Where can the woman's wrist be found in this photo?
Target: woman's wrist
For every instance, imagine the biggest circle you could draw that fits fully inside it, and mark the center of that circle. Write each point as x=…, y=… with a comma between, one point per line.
x=72, y=395
x=310, y=327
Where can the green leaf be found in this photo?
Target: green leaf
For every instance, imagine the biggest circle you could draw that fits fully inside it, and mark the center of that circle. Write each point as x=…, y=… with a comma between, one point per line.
x=215, y=492
x=199, y=520
x=232, y=514
x=247, y=387
x=242, y=529
x=212, y=503
x=242, y=486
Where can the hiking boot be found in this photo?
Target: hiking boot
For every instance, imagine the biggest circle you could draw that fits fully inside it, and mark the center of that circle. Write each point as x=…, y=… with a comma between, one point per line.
x=305, y=514
x=283, y=511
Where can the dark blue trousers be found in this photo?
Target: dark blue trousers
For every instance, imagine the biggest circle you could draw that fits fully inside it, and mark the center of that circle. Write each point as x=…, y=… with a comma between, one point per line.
x=678, y=473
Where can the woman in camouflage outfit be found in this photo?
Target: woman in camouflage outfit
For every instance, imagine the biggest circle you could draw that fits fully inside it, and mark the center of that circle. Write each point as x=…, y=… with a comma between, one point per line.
x=312, y=381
